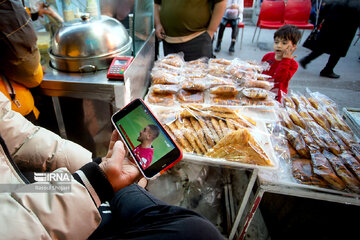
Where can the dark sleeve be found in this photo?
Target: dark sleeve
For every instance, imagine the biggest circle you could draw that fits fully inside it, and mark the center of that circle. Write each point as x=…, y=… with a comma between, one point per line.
x=157, y=2
x=95, y=181
x=97, y=160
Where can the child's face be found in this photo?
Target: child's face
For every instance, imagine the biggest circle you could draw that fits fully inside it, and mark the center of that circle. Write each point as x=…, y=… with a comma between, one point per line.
x=283, y=48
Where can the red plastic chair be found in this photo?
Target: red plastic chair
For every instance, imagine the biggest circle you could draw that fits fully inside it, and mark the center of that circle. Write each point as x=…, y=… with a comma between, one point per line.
x=240, y=25
x=297, y=12
x=271, y=16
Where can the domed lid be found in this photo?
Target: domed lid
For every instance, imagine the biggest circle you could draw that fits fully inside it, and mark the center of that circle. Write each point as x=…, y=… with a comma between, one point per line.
x=87, y=37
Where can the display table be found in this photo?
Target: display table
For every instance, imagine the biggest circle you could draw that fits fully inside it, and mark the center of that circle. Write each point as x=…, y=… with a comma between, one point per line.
x=274, y=184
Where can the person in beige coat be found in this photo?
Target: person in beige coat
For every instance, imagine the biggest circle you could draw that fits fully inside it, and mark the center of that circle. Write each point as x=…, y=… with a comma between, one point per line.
x=41, y=210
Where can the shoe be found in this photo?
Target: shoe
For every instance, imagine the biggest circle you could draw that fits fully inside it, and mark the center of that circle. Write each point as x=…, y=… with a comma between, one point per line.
x=218, y=47
x=232, y=47
x=303, y=63
x=329, y=74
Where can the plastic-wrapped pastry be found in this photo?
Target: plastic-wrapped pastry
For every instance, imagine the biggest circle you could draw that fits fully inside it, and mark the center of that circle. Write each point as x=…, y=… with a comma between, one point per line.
x=255, y=93
x=179, y=137
x=217, y=71
x=163, y=77
x=164, y=89
x=351, y=163
x=167, y=67
x=288, y=102
x=161, y=99
x=295, y=117
x=222, y=61
x=351, y=182
x=298, y=143
x=215, y=81
x=258, y=84
x=237, y=72
x=224, y=100
x=186, y=132
x=176, y=60
x=319, y=118
x=193, y=73
x=303, y=173
x=224, y=90
x=322, y=167
x=257, y=102
x=240, y=146
x=287, y=122
x=192, y=85
x=198, y=63
x=315, y=103
x=261, y=77
x=185, y=96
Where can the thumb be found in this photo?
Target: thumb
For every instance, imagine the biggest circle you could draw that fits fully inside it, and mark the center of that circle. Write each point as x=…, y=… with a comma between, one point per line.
x=118, y=152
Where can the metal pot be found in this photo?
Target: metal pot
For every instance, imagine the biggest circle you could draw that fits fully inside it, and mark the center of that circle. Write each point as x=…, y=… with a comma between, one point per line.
x=89, y=44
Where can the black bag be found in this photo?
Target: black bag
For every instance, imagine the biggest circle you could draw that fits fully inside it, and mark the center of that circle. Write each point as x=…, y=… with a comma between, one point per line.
x=311, y=40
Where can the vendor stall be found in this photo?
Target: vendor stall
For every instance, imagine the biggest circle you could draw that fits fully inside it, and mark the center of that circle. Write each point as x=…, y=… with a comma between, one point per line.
x=224, y=117
x=222, y=114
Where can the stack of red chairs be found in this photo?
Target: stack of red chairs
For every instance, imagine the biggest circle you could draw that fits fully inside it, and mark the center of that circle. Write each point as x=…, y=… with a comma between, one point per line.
x=275, y=14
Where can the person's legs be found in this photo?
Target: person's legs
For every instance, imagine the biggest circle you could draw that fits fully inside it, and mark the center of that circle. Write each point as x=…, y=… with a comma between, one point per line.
x=307, y=59
x=220, y=35
x=328, y=70
x=139, y=215
x=198, y=47
x=234, y=34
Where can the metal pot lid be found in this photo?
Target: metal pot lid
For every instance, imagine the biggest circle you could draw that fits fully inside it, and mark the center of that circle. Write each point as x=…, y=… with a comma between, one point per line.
x=86, y=38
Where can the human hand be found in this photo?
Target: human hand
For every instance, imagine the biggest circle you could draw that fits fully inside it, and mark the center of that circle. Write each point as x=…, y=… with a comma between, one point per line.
x=289, y=51
x=160, y=32
x=119, y=170
x=46, y=10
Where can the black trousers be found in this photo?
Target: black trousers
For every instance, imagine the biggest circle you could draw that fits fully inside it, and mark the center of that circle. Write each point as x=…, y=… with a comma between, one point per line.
x=330, y=65
x=136, y=214
x=234, y=26
x=201, y=46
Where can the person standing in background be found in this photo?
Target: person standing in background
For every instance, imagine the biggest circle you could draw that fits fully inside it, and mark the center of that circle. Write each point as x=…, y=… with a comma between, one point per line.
x=233, y=15
x=20, y=67
x=188, y=26
x=340, y=21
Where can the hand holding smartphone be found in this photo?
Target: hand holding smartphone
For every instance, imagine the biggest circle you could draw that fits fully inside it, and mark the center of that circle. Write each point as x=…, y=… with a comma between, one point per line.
x=152, y=148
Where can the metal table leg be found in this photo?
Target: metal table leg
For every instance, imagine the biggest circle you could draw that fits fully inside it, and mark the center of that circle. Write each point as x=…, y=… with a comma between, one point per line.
x=59, y=117
x=254, y=206
x=244, y=202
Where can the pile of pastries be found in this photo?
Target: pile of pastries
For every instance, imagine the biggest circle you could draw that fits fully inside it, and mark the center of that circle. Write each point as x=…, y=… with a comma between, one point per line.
x=325, y=152
x=209, y=81
x=215, y=132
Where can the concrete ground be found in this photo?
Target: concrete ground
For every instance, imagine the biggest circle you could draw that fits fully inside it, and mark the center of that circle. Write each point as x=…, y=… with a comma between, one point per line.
x=345, y=91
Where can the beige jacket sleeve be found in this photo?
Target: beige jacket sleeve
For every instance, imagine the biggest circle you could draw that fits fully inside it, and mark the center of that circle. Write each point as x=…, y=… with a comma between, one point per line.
x=36, y=149
x=71, y=214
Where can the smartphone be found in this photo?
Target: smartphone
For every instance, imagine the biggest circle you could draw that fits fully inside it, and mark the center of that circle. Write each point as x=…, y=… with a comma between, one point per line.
x=152, y=148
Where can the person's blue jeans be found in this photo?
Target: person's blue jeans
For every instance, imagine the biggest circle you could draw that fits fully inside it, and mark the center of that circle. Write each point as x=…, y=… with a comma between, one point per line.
x=136, y=214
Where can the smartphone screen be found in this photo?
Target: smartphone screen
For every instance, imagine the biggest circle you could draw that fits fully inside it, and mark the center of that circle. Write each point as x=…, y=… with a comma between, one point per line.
x=148, y=142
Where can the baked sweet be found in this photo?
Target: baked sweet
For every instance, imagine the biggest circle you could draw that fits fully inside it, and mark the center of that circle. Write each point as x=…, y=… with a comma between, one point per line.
x=185, y=96
x=240, y=146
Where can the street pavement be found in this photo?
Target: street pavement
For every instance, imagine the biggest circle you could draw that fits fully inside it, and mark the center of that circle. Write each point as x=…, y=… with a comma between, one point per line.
x=345, y=91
